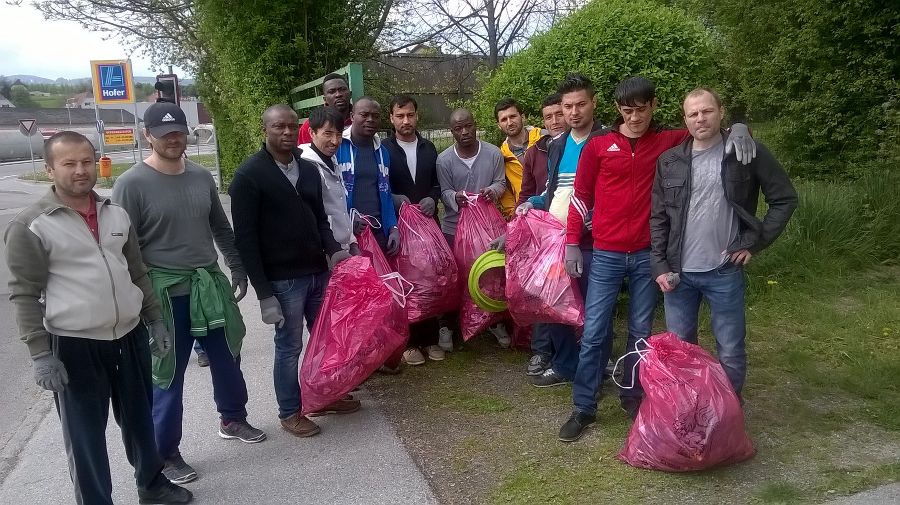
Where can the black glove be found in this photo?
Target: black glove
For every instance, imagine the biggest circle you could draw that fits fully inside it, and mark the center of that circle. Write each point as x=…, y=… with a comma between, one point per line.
x=427, y=206
x=358, y=224
x=574, y=260
x=354, y=249
x=399, y=200
x=393, y=242
x=239, y=286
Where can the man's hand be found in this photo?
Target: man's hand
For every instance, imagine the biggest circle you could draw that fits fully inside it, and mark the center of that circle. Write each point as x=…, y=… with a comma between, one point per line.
x=740, y=141
x=574, y=261
x=337, y=258
x=665, y=282
x=461, y=199
x=271, y=311
x=427, y=206
x=523, y=209
x=488, y=193
x=393, y=242
x=160, y=338
x=354, y=249
x=741, y=257
x=239, y=287
x=358, y=224
x=399, y=200
x=498, y=243
x=50, y=373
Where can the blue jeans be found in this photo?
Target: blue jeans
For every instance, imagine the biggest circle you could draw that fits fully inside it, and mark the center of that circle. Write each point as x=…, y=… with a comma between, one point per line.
x=229, y=387
x=608, y=271
x=723, y=289
x=299, y=298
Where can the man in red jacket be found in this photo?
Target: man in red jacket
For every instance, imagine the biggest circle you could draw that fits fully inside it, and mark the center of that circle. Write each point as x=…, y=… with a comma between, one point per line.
x=614, y=178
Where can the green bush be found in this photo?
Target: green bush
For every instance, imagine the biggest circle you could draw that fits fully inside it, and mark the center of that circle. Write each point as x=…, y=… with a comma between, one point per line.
x=608, y=40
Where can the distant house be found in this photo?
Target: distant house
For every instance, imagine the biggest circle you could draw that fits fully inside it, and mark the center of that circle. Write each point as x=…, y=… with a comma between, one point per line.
x=38, y=93
x=4, y=102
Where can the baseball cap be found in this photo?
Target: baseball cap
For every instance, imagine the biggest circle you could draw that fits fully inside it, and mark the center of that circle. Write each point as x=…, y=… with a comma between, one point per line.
x=162, y=118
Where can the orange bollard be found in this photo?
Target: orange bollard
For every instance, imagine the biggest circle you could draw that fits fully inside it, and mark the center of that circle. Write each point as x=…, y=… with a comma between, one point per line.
x=105, y=166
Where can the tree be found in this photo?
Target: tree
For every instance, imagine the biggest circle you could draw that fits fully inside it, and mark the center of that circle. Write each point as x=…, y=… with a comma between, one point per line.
x=661, y=43
x=18, y=95
x=493, y=28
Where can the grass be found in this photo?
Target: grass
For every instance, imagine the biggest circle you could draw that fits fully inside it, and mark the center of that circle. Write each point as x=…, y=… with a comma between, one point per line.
x=823, y=405
x=207, y=160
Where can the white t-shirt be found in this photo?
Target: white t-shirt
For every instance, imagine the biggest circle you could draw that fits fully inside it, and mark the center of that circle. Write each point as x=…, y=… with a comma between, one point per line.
x=410, y=149
x=468, y=161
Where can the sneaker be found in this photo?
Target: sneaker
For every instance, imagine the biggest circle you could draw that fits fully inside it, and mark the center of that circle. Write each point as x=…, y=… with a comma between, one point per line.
x=630, y=404
x=499, y=332
x=202, y=359
x=610, y=368
x=242, y=431
x=548, y=379
x=445, y=339
x=575, y=426
x=413, y=356
x=338, y=407
x=165, y=493
x=536, y=365
x=435, y=353
x=177, y=471
x=299, y=426
x=388, y=370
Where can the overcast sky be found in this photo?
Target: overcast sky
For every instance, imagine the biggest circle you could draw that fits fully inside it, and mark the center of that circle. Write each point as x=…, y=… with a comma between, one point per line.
x=29, y=44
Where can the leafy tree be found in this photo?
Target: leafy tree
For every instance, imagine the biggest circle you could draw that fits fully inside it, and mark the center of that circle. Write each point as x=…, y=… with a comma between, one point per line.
x=608, y=40
x=18, y=95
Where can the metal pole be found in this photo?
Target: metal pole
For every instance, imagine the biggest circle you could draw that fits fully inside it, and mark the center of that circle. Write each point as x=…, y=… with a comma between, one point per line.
x=216, y=153
x=31, y=150
x=97, y=127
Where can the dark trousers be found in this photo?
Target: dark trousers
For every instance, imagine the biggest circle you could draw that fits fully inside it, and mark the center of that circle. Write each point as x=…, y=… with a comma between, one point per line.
x=100, y=372
x=229, y=388
x=423, y=333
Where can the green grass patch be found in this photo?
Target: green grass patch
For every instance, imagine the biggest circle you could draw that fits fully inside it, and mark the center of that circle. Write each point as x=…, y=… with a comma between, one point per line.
x=779, y=492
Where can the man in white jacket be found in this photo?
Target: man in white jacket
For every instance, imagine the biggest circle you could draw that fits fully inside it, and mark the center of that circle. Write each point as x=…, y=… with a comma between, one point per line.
x=325, y=126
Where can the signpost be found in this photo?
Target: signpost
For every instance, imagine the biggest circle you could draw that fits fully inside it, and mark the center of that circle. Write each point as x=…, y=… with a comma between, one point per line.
x=28, y=127
x=113, y=83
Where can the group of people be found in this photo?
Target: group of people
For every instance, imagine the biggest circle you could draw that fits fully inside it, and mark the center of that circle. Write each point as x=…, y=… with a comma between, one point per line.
x=111, y=294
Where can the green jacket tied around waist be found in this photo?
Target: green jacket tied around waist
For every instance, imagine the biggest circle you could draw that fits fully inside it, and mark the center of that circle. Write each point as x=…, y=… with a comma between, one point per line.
x=212, y=306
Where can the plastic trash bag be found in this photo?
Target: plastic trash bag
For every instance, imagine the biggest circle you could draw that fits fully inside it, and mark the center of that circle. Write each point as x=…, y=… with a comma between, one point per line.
x=360, y=325
x=538, y=289
x=427, y=262
x=369, y=248
x=479, y=223
x=690, y=418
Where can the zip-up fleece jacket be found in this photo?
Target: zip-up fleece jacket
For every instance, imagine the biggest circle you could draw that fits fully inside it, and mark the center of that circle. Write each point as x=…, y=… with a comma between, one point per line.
x=742, y=183
x=281, y=231
x=555, y=152
x=615, y=180
x=345, y=155
x=334, y=197
x=514, y=172
x=91, y=289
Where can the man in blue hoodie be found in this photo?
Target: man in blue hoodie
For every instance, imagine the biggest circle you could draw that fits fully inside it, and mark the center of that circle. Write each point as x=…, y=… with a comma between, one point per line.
x=365, y=165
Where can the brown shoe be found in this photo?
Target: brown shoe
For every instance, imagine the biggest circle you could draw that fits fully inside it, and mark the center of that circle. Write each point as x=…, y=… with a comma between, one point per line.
x=300, y=426
x=338, y=407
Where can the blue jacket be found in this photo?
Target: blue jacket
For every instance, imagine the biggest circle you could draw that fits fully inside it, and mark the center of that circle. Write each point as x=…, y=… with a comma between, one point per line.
x=345, y=155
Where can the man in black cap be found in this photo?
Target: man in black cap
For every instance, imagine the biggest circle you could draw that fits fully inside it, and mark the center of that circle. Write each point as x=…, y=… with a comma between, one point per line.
x=175, y=209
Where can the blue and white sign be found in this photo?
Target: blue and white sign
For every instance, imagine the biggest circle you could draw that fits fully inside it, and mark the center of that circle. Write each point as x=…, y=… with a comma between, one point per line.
x=112, y=81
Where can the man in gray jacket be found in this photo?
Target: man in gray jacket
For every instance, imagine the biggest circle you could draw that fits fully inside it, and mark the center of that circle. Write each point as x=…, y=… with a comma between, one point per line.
x=81, y=291
x=704, y=229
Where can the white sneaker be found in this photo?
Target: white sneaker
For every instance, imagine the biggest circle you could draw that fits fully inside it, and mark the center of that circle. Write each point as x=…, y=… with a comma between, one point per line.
x=445, y=339
x=435, y=353
x=413, y=356
x=502, y=336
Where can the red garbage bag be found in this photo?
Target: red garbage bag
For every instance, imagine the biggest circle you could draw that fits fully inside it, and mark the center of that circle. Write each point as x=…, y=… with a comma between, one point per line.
x=426, y=261
x=538, y=289
x=358, y=327
x=479, y=223
x=369, y=248
x=690, y=418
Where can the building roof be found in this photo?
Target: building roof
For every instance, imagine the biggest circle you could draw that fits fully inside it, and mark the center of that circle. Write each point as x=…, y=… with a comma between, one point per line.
x=9, y=117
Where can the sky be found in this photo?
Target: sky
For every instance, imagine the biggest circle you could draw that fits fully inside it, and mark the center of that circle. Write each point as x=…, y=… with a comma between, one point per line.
x=31, y=45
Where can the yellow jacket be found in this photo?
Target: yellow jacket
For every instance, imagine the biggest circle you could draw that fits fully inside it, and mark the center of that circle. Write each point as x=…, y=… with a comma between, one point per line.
x=514, y=172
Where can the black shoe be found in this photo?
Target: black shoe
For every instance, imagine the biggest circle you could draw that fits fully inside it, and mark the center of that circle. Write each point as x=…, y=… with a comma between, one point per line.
x=165, y=493
x=630, y=404
x=536, y=365
x=202, y=359
x=548, y=379
x=177, y=471
x=575, y=426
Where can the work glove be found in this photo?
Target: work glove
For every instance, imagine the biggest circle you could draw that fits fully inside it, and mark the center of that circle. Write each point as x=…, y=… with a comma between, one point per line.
x=160, y=338
x=358, y=224
x=393, y=242
x=523, y=209
x=239, y=286
x=427, y=206
x=740, y=141
x=574, y=261
x=399, y=200
x=50, y=373
x=337, y=258
x=498, y=243
x=271, y=311
x=354, y=249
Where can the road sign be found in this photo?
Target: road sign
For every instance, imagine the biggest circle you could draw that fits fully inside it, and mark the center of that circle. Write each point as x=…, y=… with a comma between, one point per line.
x=112, y=81
x=118, y=137
x=27, y=127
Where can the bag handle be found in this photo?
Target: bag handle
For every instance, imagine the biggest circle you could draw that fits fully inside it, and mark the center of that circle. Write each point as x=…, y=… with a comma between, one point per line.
x=640, y=353
x=372, y=221
x=403, y=289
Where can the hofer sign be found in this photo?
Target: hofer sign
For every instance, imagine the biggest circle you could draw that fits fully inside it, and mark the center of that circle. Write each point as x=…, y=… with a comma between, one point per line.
x=112, y=81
